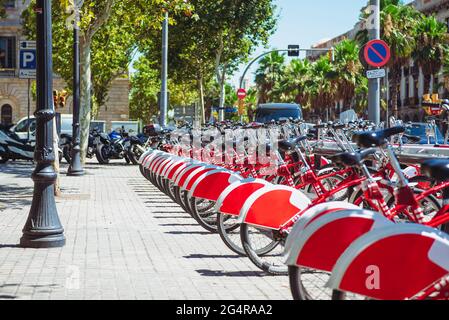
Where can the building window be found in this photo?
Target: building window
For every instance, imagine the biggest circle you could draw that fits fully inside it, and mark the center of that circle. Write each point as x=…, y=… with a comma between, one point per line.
x=7, y=54
x=6, y=114
x=10, y=4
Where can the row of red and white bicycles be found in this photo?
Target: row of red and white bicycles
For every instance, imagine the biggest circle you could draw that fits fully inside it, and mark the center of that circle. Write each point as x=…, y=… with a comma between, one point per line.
x=355, y=225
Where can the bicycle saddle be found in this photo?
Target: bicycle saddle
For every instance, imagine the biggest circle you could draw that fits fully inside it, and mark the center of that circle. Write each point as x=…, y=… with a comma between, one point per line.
x=350, y=159
x=375, y=138
x=290, y=145
x=436, y=169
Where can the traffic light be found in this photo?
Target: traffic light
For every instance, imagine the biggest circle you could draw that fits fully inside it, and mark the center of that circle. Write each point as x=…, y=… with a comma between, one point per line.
x=55, y=98
x=62, y=99
x=293, y=50
x=331, y=55
x=241, y=107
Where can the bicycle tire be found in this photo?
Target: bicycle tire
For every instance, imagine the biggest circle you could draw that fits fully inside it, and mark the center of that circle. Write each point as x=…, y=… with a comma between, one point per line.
x=224, y=233
x=261, y=261
x=206, y=217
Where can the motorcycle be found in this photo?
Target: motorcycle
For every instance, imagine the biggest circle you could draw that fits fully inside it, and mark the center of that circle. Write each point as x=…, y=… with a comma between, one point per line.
x=118, y=145
x=65, y=144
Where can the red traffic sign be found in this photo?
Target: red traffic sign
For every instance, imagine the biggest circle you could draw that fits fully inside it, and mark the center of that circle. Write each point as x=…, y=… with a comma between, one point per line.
x=241, y=94
x=377, y=53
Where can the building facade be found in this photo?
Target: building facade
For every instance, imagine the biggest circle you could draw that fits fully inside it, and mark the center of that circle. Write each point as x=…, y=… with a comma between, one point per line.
x=14, y=94
x=411, y=86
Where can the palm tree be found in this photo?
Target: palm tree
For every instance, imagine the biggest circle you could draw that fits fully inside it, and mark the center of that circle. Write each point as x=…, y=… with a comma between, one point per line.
x=362, y=36
x=349, y=70
x=292, y=87
x=431, y=48
x=399, y=26
x=270, y=72
x=322, y=85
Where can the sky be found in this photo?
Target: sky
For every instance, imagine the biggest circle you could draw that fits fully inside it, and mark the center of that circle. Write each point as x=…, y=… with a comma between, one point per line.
x=306, y=22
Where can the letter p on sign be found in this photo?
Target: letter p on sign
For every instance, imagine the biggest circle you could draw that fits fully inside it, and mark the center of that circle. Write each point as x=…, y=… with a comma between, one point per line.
x=28, y=59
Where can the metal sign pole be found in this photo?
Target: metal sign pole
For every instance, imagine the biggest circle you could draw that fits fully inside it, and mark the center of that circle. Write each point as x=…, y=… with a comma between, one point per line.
x=29, y=110
x=164, y=80
x=374, y=84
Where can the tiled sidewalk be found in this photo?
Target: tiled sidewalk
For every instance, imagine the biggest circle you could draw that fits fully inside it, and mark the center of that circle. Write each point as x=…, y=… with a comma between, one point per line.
x=125, y=240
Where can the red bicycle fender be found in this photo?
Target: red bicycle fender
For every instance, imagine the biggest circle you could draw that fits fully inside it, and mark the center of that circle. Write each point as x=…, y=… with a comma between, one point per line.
x=156, y=161
x=160, y=164
x=150, y=159
x=172, y=162
x=393, y=263
x=150, y=156
x=273, y=206
x=234, y=196
x=323, y=241
x=194, y=175
x=182, y=176
x=310, y=215
x=172, y=169
x=211, y=184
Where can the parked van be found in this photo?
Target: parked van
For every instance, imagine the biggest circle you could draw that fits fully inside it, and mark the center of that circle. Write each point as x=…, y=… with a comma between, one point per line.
x=277, y=111
x=64, y=124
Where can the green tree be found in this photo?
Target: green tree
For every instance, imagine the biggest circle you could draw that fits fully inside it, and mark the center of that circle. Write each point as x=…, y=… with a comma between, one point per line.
x=239, y=27
x=322, y=87
x=270, y=73
x=110, y=30
x=145, y=85
x=399, y=31
x=349, y=69
x=293, y=85
x=431, y=48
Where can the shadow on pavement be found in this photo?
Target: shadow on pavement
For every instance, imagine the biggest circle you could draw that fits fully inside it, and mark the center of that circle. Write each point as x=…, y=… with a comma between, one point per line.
x=220, y=273
x=13, y=246
x=172, y=217
x=17, y=169
x=211, y=256
x=14, y=197
x=188, y=232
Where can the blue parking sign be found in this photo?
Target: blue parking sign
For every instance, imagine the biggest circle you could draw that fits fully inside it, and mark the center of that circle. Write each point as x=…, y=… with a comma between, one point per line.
x=27, y=59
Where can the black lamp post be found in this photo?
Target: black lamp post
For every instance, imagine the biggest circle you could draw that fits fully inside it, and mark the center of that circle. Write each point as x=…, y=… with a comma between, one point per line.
x=43, y=228
x=75, y=168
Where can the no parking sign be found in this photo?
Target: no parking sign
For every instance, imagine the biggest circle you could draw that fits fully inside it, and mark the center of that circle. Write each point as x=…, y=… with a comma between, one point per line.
x=377, y=53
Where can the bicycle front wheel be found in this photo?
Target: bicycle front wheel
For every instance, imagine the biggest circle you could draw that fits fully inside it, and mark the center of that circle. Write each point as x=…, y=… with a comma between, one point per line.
x=256, y=240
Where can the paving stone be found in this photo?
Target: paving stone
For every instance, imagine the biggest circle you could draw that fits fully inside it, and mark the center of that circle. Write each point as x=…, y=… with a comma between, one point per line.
x=124, y=240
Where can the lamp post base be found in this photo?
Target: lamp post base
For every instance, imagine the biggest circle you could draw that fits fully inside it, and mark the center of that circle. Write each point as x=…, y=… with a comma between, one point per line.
x=43, y=228
x=73, y=172
x=37, y=242
x=75, y=168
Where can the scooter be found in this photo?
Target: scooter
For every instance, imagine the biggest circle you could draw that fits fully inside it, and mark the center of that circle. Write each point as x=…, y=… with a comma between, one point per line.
x=12, y=148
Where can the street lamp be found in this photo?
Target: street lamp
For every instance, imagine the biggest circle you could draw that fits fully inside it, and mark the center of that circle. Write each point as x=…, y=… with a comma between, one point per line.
x=43, y=228
x=75, y=168
x=164, y=73
x=293, y=51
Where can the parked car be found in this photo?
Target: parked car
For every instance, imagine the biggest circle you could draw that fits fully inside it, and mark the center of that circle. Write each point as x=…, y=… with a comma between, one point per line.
x=25, y=124
x=277, y=111
x=420, y=130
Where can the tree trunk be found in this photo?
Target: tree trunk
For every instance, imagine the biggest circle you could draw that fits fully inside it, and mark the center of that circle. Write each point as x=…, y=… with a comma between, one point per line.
x=427, y=80
x=86, y=94
x=222, y=97
x=201, y=95
x=394, y=96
